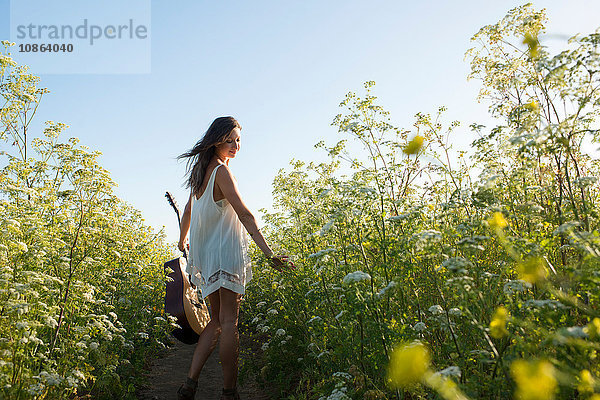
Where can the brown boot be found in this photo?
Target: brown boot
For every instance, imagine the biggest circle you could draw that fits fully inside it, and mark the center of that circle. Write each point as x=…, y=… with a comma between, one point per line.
x=187, y=391
x=230, y=394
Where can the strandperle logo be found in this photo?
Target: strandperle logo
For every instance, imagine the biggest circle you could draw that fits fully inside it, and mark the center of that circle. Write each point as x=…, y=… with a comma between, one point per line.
x=91, y=32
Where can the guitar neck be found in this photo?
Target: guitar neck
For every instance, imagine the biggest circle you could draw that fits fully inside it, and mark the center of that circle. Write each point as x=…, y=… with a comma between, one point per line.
x=173, y=204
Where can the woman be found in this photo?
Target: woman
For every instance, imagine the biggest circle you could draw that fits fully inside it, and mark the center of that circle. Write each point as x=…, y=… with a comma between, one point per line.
x=218, y=263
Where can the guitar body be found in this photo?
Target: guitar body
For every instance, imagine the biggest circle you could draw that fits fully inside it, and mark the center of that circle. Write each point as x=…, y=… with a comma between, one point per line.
x=181, y=301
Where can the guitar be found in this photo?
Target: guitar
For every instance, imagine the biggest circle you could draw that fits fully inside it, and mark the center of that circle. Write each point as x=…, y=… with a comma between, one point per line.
x=181, y=297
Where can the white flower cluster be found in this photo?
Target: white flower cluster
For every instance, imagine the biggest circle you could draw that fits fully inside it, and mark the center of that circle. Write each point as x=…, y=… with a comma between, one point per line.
x=426, y=238
x=515, y=286
x=390, y=286
x=337, y=394
x=457, y=265
x=455, y=312
x=436, y=310
x=355, y=277
x=419, y=327
x=450, y=371
x=549, y=304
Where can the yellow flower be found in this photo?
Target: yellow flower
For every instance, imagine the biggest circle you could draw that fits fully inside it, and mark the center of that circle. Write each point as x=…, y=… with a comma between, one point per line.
x=408, y=365
x=498, y=324
x=586, y=382
x=414, y=145
x=497, y=221
x=593, y=328
x=532, y=106
x=532, y=270
x=535, y=380
x=532, y=45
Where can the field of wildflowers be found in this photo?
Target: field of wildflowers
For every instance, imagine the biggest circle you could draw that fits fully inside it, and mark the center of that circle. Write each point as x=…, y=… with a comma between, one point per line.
x=425, y=272
x=81, y=284
x=433, y=272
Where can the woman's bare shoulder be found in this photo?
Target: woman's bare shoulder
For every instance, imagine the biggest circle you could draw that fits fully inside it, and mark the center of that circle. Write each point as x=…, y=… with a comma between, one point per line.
x=224, y=172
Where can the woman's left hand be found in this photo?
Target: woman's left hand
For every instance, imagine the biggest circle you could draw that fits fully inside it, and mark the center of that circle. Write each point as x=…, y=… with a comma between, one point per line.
x=281, y=262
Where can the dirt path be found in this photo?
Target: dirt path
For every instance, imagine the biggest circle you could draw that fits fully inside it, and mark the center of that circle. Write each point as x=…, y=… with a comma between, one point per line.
x=168, y=373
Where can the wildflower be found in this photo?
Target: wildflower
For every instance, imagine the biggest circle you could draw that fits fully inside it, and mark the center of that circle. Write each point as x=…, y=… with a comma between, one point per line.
x=535, y=380
x=514, y=286
x=22, y=247
x=593, y=328
x=280, y=332
x=532, y=45
x=436, y=310
x=314, y=319
x=586, y=382
x=326, y=228
x=585, y=181
x=420, y=327
x=36, y=389
x=260, y=304
x=265, y=346
x=426, y=238
x=497, y=221
x=272, y=311
x=78, y=374
x=532, y=106
x=356, y=276
x=414, y=145
x=498, y=323
x=408, y=365
x=322, y=253
x=532, y=270
x=457, y=265
x=13, y=222
x=574, y=332
x=456, y=312
x=342, y=375
x=549, y=304
x=390, y=286
x=338, y=394
x=450, y=371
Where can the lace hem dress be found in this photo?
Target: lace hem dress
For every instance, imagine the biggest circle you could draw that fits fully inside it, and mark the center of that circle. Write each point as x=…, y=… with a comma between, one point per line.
x=218, y=245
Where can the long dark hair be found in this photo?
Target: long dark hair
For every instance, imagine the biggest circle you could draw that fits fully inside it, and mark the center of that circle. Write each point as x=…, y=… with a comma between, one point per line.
x=200, y=155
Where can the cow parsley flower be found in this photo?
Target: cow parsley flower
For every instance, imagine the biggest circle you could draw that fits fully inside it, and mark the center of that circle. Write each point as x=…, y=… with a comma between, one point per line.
x=355, y=277
x=436, y=310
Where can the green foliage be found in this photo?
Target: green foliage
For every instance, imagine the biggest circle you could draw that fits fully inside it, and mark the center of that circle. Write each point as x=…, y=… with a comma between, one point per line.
x=486, y=271
x=81, y=286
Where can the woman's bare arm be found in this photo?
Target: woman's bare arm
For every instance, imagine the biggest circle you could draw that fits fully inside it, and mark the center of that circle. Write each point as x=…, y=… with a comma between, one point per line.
x=229, y=188
x=185, y=223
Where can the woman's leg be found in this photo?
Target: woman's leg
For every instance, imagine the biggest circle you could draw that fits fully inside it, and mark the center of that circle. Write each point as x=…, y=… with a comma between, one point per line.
x=208, y=337
x=229, y=347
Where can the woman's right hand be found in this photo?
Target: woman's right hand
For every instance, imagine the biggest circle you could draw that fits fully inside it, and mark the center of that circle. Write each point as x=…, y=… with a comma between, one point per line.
x=182, y=245
x=281, y=262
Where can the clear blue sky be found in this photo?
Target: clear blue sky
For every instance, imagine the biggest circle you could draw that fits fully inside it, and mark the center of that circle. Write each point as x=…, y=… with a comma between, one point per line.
x=281, y=68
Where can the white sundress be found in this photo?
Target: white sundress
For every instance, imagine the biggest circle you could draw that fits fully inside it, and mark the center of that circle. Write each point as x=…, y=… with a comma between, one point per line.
x=218, y=244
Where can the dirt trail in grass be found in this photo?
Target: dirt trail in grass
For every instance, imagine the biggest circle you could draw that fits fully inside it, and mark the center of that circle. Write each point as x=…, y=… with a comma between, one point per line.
x=168, y=373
